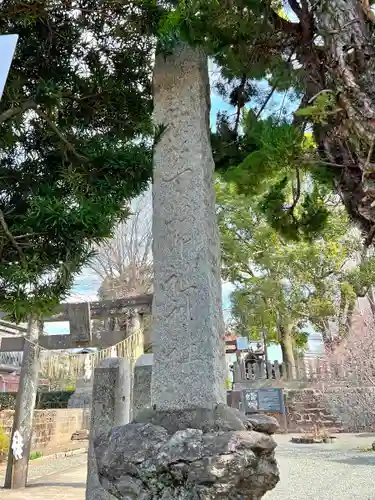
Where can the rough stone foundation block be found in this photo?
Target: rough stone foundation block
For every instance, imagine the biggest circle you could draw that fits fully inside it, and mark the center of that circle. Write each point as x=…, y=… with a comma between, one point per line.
x=220, y=459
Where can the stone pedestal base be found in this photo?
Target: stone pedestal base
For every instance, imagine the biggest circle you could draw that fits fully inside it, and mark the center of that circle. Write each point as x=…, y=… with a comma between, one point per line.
x=198, y=454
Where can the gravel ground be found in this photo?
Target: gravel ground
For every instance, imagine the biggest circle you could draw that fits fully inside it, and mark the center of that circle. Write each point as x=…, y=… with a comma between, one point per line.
x=337, y=471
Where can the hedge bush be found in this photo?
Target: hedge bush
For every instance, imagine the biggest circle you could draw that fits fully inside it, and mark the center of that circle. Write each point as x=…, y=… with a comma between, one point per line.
x=44, y=400
x=4, y=444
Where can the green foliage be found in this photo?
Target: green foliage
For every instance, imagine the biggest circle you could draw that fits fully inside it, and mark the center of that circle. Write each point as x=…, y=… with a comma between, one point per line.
x=324, y=105
x=362, y=277
x=44, y=400
x=7, y=401
x=70, y=388
x=290, y=47
x=75, y=107
x=49, y=400
x=35, y=455
x=283, y=285
x=4, y=444
x=169, y=31
x=281, y=44
x=274, y=164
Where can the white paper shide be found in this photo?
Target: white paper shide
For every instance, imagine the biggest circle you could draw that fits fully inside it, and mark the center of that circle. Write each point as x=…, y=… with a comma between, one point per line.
x=87, y=368
x=17, y=445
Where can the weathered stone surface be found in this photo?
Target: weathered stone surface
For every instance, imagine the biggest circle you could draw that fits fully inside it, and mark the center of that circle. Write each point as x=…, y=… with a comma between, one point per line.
x=188, y=329
x=145, y=462
x=82, y=396
x=110, y=407
x=263, y=423
x=142, y=384
x=220, y=418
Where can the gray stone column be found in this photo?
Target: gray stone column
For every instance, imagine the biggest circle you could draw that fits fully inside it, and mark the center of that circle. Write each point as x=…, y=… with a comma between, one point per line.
x=110, y=408
x=82, y=396
x=142, y=384
x=187, y=320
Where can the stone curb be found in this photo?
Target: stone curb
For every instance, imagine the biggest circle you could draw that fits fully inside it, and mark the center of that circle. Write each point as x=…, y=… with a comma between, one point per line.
x=54, y=456
x=61, y=454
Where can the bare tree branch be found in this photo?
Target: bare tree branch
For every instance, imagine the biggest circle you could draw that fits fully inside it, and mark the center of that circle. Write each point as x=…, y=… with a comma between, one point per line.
x=124, y=262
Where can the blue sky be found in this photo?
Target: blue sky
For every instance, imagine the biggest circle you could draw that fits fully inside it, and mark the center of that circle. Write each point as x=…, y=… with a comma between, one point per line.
x=7, y=48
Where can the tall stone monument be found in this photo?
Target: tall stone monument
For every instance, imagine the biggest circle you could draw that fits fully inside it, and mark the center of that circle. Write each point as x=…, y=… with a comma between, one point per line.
x=187, y=318
x=189, y=445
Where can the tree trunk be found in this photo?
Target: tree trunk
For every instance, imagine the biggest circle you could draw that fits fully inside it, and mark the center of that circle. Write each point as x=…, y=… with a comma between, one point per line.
x=371, y=299
x=347, y=29
x=344, y=67
x=287, y=349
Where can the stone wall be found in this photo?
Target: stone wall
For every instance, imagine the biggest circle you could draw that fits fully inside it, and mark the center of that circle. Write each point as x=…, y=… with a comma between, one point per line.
x=51, y=428
x=305, y=409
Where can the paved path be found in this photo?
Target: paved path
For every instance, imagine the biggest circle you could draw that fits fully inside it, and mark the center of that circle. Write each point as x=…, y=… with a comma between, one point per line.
x=337, y=471
x=316, y=472
x=56, y=479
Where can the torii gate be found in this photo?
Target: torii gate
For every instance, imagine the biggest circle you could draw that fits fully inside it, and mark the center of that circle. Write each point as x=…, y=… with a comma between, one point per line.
x=79, y=316
x=81, y=335
x=10, y=359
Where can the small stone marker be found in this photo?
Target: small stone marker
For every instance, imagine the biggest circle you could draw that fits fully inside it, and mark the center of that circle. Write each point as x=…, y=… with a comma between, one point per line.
x=142, y=383
x=110, y=407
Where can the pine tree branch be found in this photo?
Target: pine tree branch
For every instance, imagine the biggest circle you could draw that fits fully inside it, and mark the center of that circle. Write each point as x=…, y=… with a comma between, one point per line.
x=68, y=144
x=240, y=103
x=265, y=103
x=297, y=193
x=10, y=236
x=11, y=112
